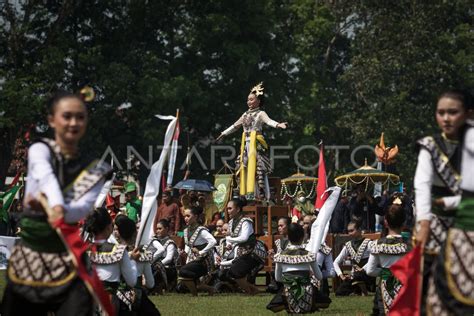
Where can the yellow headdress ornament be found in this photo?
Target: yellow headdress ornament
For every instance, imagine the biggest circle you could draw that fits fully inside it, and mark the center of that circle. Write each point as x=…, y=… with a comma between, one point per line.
x=258, y=89
x=87, y=94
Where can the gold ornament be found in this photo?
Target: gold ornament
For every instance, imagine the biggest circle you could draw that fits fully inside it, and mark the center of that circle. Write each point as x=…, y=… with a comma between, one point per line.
x=258, y=89
x=87, y=93
x=384, y=154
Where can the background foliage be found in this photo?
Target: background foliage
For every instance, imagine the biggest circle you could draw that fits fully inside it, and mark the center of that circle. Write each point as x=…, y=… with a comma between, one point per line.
x=341, y=71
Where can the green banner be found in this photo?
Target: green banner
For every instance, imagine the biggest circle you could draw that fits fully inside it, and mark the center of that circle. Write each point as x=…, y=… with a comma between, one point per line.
x=224, y=184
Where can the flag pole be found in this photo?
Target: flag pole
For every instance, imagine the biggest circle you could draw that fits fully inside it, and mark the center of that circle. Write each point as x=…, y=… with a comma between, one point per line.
x=171, y=157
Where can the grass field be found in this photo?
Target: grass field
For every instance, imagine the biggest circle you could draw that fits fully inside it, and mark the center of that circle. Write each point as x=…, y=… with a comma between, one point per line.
x=238, y=304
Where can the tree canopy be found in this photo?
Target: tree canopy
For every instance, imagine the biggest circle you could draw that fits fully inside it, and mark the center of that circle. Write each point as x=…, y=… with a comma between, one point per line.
x=340, y=71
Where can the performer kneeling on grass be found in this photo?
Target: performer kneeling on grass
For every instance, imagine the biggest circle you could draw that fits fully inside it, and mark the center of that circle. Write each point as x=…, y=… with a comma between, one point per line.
x=199, y=244
x=135, y=300
x=385, y=252
x=111, y=260
x=250, y=254
x=71, y=185
x=358, y=250
x=165, y=255
x=294, y=267
x=224, y=257
x=279, y=246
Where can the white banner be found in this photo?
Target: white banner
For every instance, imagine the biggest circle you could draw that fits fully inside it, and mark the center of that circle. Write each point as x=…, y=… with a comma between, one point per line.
x=152, y=188
x=320, y=227
x=103, y=193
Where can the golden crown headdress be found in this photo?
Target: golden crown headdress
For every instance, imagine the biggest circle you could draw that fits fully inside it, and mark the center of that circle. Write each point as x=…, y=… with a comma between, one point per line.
x=258, y=89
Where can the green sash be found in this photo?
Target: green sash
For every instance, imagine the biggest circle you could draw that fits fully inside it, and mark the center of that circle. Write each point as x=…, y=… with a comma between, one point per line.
x=465, y=214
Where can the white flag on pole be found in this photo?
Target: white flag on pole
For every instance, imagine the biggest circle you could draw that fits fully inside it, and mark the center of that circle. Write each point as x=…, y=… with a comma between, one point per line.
x=152, y=188
x=320, y=227
x=103, y=193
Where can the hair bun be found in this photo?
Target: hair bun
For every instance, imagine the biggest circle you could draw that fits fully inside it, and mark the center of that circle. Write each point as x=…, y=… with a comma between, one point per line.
x=243, y=201
x=97, y=221
x=197, y=210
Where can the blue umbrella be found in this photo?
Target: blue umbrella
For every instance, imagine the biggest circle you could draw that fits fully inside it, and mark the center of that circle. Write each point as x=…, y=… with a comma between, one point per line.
x=195, y=185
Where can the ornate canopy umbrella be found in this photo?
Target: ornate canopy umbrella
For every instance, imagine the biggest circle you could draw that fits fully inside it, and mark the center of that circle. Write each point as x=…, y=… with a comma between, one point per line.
x=301, y=183
x=366, y=175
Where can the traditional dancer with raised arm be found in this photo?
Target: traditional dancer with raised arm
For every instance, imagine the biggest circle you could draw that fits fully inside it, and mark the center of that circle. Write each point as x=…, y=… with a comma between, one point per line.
x=253, y=162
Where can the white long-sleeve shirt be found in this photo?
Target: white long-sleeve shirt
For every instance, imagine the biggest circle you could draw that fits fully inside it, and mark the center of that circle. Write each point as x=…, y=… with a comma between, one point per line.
x=245, y=232
x=327, y=262
x=112, y=272
x=261, y=118
x=203, y=238
x=170, y=253
x=425, y=178
x=230, y=259
x=41, y=178
x=467, y=180
x=144, y=268
x=344, y=254
x=378, y=261
x=160, y=250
